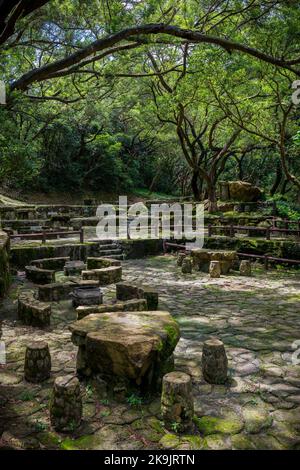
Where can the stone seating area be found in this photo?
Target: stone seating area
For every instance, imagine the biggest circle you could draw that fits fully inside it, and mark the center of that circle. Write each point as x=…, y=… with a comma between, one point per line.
x=134, y=305
x=39, y=275
x=32, y=311
x=131, y=348
x=55, y=264
x=104, y=276
x=126, y=291
x=201, y=259
x=61, y=290
x=73, y=268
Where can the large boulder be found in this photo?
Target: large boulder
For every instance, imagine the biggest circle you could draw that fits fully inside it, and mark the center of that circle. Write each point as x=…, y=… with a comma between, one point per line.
x=131, y=347
x=239, y=191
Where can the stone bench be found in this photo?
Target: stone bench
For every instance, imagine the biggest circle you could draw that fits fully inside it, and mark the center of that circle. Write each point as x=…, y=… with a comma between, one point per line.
x=61, y=291
x=202, y=258
x=104, y=276
x=55, y=264
x=126, y=291
x=101, y=262
x=33, y=312
x=74, y=268
x=39, y=275
x=128, y=348
x=133, y=305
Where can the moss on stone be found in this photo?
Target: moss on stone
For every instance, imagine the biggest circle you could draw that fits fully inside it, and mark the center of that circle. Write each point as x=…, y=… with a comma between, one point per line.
x=49, y=439
x=84, y=442
x=210, y=425
x=196, y=442
x=169, y=441
x=242, y=442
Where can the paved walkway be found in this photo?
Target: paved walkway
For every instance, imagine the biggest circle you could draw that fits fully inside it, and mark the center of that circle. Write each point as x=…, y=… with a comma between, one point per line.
x=257, y=318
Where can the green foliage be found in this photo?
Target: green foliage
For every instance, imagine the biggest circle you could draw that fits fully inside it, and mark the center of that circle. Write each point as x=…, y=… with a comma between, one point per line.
x=112, y=124
x=134, y=400
x=286, y=209
x=26, y=396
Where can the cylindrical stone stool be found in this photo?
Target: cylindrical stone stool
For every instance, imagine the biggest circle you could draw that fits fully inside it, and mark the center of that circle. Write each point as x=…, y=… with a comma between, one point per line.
x=186, y=267
x=177, y=405
x=214, y=362
x=66, y=404
x=215, y=269
x=180, y=258
x=37, y=365
x=245, y=268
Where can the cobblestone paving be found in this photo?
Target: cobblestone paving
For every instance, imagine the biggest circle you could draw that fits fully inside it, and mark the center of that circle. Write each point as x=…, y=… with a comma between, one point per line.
x=257, y=318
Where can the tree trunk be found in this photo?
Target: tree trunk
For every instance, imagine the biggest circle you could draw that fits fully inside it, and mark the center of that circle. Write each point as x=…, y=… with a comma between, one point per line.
x=194, y=186
x=212, y=198
x=277, y=179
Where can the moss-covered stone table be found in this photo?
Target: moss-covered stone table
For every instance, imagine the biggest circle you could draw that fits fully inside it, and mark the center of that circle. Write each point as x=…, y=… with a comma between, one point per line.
x=128, y=348
x=202, y=258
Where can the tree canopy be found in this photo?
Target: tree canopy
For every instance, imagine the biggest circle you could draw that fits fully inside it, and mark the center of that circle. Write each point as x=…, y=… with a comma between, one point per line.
x=157, y=94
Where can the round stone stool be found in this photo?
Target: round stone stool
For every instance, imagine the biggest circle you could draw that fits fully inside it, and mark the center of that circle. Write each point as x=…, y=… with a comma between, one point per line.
x=180, y=258
x=186, y=267
x=66, y=404
x=177, y=405
x=245, y=268
x=214, y=362
x=37, y=365
x=215, y=269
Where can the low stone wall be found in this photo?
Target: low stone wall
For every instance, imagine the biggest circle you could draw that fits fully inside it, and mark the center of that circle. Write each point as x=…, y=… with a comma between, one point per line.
x=33, y=312
x=61, y=290
x=99, y=263
x=39, y=276
x=280, y=249
x=105, y=276
x=126, y=291
x=21, y=255
x=4, y=263
x=134, y=305
x=134, y=249
x=56, y=264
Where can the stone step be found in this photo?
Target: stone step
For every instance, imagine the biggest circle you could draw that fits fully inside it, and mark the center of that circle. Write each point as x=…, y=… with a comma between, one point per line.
x=118, y=257
x=104, y=242
x=116, y=251
x=111, y=246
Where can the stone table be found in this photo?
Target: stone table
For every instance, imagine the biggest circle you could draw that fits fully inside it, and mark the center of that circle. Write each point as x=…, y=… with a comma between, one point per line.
x=128, y=348
x=202, y=258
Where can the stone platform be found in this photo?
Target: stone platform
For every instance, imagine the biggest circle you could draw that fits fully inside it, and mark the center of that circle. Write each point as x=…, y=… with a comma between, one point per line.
x=202, y=258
